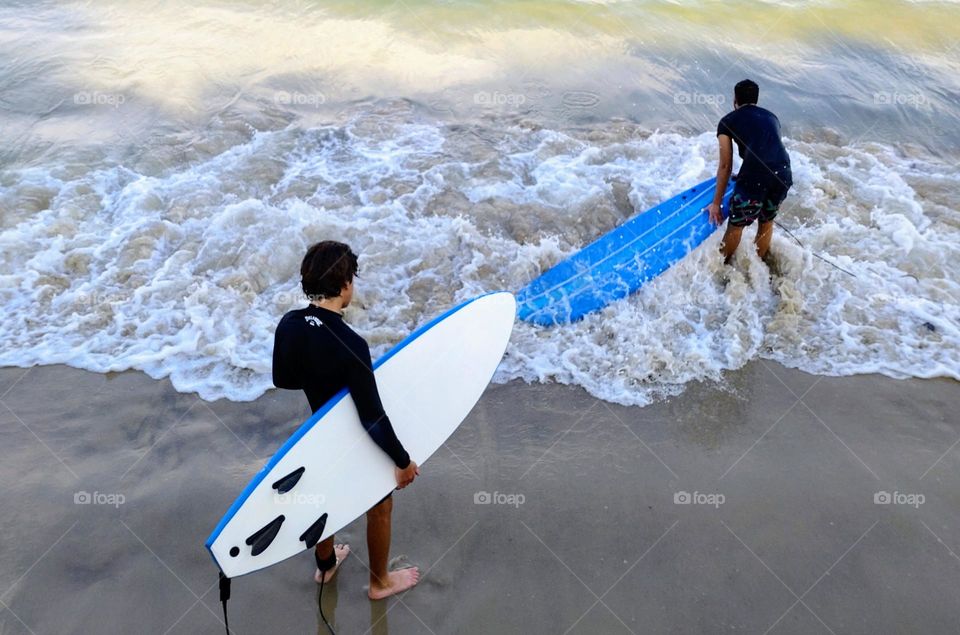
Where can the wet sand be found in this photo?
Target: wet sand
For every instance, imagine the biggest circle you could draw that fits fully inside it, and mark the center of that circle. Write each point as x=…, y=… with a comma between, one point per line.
x=584, y=534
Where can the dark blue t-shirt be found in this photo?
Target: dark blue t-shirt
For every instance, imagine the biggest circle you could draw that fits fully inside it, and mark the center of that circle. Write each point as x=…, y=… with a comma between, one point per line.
x=756, y=132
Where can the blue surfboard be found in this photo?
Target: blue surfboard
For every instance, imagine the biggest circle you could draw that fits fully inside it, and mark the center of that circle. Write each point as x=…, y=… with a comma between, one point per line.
x=619, y=262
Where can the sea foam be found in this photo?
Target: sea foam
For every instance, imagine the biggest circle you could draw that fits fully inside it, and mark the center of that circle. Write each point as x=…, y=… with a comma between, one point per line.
x=185, y=273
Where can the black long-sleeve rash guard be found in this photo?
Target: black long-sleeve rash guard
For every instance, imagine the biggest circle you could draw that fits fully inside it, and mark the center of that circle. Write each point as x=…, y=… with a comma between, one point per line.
x=315, y=351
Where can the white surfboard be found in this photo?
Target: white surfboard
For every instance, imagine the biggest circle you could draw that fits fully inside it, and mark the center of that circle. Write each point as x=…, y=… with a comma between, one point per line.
x=330, y=472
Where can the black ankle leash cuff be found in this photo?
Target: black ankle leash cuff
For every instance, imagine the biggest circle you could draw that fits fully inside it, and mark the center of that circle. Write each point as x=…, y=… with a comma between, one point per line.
x=325, y=564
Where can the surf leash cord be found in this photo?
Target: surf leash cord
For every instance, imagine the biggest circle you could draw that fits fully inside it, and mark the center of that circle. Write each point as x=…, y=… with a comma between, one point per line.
x=813, y=253
x=320, y=606
x=224, y=596
x=324, y=565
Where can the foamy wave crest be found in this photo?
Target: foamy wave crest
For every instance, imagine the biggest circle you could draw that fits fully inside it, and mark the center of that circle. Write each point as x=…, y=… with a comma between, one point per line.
x=185, y=274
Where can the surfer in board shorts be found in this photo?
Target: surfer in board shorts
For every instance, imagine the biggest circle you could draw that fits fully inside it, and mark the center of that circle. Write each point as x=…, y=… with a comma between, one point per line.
x=764, y=178
x=315, y=351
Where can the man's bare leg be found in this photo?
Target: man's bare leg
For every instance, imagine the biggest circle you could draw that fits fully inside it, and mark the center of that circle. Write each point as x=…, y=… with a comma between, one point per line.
x=384, y=583
x=764, y=234
x=324, y=549
x=731, y=239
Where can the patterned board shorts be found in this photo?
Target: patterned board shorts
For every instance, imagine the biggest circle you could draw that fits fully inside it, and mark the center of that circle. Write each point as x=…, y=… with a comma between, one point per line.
x=748, y=207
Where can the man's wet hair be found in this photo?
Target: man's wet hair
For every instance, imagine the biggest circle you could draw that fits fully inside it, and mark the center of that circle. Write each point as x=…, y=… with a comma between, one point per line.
x=326, y=269
x=746, y=92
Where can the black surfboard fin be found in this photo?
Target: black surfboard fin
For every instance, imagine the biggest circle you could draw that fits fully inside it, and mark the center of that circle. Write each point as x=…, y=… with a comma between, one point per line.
x=286, y=483
x=262, y=538
x=312, y=535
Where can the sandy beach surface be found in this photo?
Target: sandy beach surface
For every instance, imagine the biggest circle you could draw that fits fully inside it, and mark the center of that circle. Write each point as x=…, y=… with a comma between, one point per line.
x=752, y=506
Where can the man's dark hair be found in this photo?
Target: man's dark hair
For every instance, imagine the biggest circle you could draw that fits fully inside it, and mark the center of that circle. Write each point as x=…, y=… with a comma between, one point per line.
x=326, y=269
x=746, y=92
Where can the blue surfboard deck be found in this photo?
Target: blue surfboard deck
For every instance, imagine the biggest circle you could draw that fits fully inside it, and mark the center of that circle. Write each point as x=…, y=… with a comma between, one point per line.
x=621, y=261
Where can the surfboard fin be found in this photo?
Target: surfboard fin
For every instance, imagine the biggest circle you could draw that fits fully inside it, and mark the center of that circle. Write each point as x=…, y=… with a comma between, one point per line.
x=263, y=537
x=312, y=535
x=286, y=483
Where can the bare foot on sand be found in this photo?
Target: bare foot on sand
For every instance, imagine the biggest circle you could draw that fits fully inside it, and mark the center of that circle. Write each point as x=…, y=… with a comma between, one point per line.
x=397, y=581
x=342, y=552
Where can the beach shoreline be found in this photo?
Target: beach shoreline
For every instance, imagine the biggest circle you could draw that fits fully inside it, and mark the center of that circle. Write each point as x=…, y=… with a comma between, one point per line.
x=585, y=528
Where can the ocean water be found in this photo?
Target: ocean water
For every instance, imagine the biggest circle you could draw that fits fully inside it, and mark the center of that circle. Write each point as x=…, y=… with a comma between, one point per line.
x=166, y=166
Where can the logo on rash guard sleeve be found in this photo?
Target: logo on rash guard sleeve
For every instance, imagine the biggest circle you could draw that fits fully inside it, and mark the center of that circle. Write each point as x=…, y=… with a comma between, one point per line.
x=313, y=320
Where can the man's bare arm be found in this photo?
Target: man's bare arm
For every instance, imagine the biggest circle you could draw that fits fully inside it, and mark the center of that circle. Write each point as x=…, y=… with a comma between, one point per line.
x=723, y=177
x=724, y=168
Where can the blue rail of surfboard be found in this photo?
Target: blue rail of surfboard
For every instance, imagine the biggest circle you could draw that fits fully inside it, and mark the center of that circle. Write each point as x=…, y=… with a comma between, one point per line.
x=619, y=262
x=317, y=416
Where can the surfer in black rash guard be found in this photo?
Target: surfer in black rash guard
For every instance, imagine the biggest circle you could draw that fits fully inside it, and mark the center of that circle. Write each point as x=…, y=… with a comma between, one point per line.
x=315, y=351
x=765, y=176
